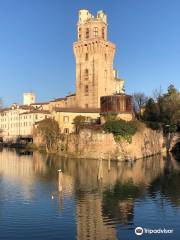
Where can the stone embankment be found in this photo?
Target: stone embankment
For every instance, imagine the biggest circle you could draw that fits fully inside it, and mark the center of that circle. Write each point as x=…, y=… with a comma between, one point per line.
x=93, y=144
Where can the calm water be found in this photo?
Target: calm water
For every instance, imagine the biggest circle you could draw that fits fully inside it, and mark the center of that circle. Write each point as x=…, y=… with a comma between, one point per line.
x=146, y=194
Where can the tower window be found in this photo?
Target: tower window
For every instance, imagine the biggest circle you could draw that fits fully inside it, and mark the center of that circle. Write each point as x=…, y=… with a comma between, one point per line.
x=86, y=90
x=79, y=34
x=105, y=56
x=105, y=74
x=86, y=74
x=87, y=32
x=66, y=130
x=95, y=32
x=103, y=33
x=86, y=57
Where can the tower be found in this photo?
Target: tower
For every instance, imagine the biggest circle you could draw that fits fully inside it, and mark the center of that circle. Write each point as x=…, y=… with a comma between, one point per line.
x=94, y=61
x=28, y=98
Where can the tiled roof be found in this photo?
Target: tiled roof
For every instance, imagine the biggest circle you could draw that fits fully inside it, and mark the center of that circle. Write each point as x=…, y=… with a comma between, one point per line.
x=40, y=103
x=78, y=110
x=4, y=109
x=36, y=111
x=58, y=99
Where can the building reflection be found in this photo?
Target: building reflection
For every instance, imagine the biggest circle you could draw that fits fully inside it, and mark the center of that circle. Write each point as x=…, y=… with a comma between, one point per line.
x=101, y=202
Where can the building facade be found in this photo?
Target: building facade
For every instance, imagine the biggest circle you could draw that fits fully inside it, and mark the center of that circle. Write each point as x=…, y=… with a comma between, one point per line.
x=94, y=54
x=18, y=121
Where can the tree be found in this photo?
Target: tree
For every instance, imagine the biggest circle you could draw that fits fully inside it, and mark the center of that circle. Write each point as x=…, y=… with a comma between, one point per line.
x=151, y=114
x=78, y=122
x=139, y=101
x=164, y=112
x=169, y=104
x=50, y=132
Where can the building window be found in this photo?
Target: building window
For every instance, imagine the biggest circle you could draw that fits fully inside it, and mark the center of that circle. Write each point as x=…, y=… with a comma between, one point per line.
x=66, y=119
x=105, y=74
x=86, y=74
x=95, y=32
x=86, y=90
x=79, y=34
x=105, y=56
x=86, y=105
x=87, y=32
x=66, y=130
x=86, y=57
x=103, y=33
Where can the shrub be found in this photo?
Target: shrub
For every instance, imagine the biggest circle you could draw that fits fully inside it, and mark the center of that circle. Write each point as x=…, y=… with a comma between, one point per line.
x=120, y=129
x=110, y=116
x=153, y=125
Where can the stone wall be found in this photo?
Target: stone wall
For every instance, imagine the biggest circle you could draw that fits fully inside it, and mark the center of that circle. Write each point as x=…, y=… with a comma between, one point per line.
x=91, y=144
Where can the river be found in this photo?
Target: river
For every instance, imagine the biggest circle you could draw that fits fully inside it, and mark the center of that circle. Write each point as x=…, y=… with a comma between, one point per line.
x=99, y=200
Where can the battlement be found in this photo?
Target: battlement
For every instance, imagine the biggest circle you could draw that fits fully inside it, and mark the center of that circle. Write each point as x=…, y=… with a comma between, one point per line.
x=85, y=16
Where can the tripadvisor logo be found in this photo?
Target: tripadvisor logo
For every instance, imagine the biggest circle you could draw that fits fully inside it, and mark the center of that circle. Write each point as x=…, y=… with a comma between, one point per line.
x=138, y=230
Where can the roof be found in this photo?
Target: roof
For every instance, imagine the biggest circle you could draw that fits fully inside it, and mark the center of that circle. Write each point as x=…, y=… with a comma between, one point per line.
x=58, y=99
x=78, y=110
x=25, y=107
x=40, y=103
x=36, y=111
x=4, y=109
x=71, y=95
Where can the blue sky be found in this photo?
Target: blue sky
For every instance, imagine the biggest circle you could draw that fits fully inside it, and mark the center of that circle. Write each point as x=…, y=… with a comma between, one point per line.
x=36, y=38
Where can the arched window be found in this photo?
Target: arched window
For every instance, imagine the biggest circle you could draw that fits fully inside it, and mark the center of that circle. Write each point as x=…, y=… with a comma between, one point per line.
x=86, y=74
x=86, y=90
x=103, y=33
x=79, y=34
x=87, y=32
x=105, y=74
x=95, y=31
x=86, y=57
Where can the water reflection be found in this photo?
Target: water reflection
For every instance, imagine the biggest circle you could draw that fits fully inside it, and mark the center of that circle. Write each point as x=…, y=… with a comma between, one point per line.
x=105, y=193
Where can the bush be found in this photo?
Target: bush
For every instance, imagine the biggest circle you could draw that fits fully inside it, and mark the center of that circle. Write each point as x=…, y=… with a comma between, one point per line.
x=120, y=129
x=153, y=125
x=110, y=116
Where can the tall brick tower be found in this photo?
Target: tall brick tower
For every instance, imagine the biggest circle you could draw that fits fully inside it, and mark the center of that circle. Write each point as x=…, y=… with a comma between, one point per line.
x=95, y=76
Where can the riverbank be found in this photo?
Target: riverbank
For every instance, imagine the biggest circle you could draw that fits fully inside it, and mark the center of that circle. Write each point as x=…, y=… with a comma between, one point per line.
x=93, y=144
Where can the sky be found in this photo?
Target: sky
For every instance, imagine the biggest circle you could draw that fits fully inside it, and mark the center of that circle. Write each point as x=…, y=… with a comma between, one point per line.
x=36, y=38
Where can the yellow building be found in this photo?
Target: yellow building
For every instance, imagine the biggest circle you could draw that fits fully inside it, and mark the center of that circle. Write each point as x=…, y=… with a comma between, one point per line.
x=65, y=117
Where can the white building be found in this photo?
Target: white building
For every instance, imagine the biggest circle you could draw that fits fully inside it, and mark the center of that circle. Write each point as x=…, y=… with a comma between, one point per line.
x=18, y=121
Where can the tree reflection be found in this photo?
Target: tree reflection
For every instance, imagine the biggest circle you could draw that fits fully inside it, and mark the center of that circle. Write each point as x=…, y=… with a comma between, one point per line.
x=168, y=186
x=118, y=202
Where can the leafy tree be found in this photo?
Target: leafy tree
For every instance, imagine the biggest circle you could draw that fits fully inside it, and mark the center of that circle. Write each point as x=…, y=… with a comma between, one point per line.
x=169, y=105
x=78, y=122
x=50, y=132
